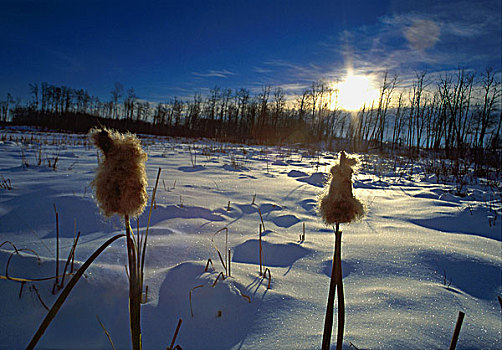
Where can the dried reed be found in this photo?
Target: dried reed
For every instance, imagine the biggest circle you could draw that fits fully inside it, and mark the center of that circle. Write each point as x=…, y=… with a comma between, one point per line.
x=338, y=205
x=120, y=186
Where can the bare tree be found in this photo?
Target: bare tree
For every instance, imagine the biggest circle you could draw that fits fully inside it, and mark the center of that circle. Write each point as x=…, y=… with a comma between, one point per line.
x=398, y=120
x=491, y=93
x=386, y=91
x=129, y=103
x=433, y=124
x=117, y=93
x=278, y=106
x=303, y=104
x=177, y=111
x=35, y=92
x=418, y=103
x=5, y=107
x=263, y=115
x=242, y=102
x=194, y=111
x=455, y=92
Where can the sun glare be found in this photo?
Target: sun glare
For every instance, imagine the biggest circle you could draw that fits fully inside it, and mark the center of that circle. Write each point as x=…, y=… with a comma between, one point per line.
x=354, y=92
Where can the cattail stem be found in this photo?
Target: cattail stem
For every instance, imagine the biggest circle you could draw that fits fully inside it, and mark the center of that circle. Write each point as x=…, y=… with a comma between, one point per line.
x=229, y=261
x=335, y=281
x=135, y=289
x=260, y=252
x=57, y=251
x=456, y=332
x=227, y=252
x=339, y=282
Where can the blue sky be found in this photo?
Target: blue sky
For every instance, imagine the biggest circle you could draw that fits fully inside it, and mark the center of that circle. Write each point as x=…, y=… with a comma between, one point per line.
x=168, y=48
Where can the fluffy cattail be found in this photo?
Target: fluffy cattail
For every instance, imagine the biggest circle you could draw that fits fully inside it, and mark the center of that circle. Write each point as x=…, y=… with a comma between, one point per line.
x=337, y=204
x=120, y=183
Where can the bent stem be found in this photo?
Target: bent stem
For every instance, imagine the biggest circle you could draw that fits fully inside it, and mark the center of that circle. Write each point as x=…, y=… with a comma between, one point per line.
x=335, y=281
x=66, y=291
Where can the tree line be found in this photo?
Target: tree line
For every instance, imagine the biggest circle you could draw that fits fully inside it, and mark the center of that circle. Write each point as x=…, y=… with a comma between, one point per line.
x=453, y=112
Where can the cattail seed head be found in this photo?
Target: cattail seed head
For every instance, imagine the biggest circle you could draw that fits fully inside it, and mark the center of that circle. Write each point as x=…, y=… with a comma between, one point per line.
x=337, y=204
x=120, y=182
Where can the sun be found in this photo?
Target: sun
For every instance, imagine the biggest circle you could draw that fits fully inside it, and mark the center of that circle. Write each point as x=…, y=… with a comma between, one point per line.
x=354, y=92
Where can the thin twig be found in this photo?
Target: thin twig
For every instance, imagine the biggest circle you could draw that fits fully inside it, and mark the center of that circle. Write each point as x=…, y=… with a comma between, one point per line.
x=40, y=297
x=57, y=249
x=190, y=297
x=9, y=242
x=217, y=250
x=71, y=255
x=260, y=252
x=456, y=332
x=217, y=278
x=229, y=261
x=269, y=277
x=207, y=264
x=21, y=289
x=261, y=218
x=175, y=335
x=106, y=332
x=148, y=223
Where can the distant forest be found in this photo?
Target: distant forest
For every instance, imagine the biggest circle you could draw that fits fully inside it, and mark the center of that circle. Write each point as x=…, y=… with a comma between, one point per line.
x=456, y=113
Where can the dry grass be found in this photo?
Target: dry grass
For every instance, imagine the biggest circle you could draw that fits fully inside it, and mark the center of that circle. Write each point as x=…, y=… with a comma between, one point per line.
x=225, y=266
x=5, y=184
x=106, y=333
x=66, y=291
x=172, y=347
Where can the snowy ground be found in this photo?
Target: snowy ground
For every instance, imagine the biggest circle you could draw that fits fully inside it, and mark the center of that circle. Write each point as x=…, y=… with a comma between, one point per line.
x=419, y=257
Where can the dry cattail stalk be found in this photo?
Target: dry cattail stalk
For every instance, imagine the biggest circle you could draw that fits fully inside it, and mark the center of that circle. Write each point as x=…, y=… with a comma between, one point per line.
x=120, y=186
x=337, y=204
x=120, y=182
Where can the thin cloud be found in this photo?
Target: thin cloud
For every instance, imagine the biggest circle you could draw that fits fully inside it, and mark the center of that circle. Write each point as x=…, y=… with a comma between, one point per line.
x=437, y=40
x=262, y=70
x=422, y=34
x=293, y=87
x=64, y=61
x=299, y=72
x=214, y=74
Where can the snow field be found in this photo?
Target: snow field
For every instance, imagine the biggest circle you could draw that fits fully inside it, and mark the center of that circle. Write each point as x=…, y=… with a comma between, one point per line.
x=419, y=256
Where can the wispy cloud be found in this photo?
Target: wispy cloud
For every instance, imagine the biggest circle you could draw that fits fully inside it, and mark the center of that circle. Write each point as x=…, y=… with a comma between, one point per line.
x=214, y=74
x=262, y=70
x=459, y=33
x=63, y=61
x=422, y=34
x=441, y=37
x=301, y=70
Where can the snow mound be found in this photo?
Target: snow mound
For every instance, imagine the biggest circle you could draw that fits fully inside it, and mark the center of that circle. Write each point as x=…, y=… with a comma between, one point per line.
x=316, y=179
x=297, y=173
x=215, y=316
x=191, y=169
x=480, y=279
x=285, y=220
x=276, y=255
x=475, y=221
